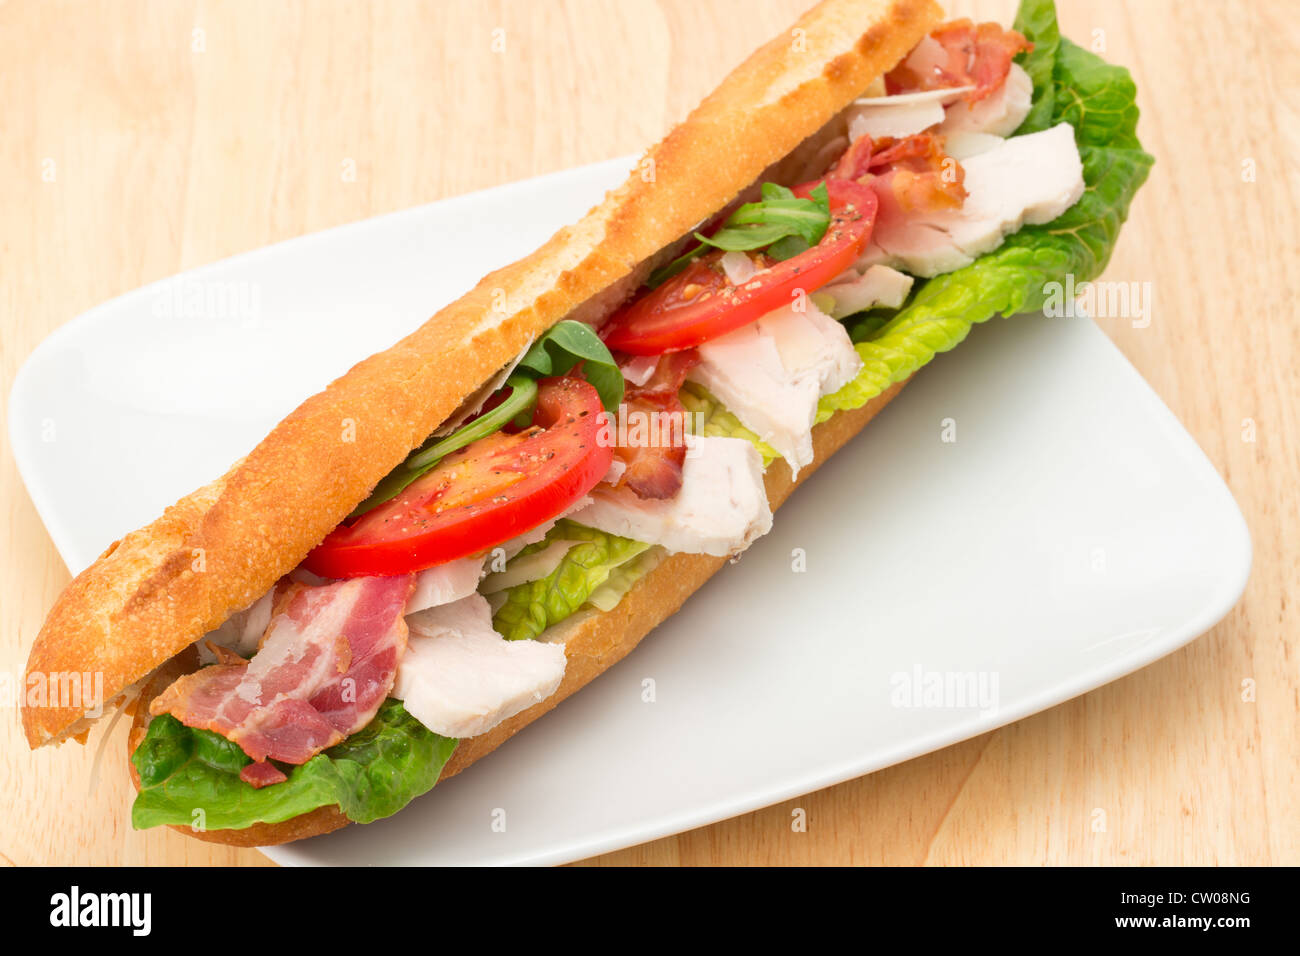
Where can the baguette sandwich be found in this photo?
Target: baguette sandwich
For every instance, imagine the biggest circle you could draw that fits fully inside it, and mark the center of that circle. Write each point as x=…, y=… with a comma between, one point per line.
x=463, y=530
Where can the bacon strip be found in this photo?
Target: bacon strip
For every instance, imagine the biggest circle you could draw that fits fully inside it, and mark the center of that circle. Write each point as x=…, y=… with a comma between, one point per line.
x=327, y=661
x=968, y=54
x=653, y=429
x=262, y=774
x=908, y=175
x=915, y=174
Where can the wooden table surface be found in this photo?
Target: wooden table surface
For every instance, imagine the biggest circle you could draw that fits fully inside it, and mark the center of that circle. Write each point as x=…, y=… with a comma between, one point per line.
x=140, y=139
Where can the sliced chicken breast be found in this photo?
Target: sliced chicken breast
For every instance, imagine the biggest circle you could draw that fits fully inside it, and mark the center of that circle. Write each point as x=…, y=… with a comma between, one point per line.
x=962, y=146
x=460, y=678
x=445, y=583
x=771, y=373
x=901, y=115
x=999, y=114
x=1026, y=180
x=721, y=507
x=878, y=286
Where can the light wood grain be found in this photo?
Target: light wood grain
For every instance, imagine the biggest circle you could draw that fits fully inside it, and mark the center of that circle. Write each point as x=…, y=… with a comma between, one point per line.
x=167, y=156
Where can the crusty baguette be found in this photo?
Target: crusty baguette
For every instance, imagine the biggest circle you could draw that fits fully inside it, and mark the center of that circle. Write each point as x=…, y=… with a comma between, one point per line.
x=593, y=642
x=160, y=588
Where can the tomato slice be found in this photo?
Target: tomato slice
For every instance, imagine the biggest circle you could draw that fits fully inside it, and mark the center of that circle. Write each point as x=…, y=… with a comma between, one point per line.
x=488, y=492
x=699, y=303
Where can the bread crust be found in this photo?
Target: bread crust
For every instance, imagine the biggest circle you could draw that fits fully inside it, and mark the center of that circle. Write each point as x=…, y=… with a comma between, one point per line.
x=593, y=642
x=217, y=550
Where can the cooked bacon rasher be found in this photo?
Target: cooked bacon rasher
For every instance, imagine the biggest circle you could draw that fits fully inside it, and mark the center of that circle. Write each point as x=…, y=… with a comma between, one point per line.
x=908, y=175
x=959, y=53
x=654, y=461
x=327, y=661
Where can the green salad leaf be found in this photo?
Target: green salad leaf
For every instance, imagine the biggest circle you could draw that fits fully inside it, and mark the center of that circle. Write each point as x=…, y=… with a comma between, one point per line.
x=370, y=775
x=779, y=216
x=532, y=607
x=621, y=578
x=566, y=344
x=1036, y=19
x=1100, y=101
x=780, y=223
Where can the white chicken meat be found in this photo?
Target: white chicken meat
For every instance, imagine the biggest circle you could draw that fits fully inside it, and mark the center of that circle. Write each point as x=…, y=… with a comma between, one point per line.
x=720, y=509
x=460, y=678
x=1025, y=180
x=771, y=373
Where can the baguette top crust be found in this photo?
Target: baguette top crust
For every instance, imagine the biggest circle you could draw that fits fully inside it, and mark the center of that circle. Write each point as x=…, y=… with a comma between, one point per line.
x=159, y=589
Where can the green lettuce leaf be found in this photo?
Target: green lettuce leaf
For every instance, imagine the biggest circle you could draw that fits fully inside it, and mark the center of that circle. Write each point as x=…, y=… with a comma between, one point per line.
x=532, y=607
x=779, y=217
x=621, y=578
x=1036, y=19
x=780, y=222
x=1099, y=100
x=564, y=345
x=372, y=774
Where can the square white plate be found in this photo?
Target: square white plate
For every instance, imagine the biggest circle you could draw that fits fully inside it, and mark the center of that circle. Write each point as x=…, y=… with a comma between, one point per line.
x=1073, y=532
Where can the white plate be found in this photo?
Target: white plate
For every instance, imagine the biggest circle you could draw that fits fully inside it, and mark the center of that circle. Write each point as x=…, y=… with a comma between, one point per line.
x=1072, y=533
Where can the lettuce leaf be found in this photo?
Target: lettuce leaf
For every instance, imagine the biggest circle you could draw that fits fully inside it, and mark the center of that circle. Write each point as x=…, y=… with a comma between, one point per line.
x=532, y=607
x=1099, y=100
x=781, y=223
x=569, y=343
x=621, y=579
x=372, y=774
x=1036, y=19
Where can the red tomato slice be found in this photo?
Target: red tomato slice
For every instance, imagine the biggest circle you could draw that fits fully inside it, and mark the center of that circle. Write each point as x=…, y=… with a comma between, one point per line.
x=486, y=493
x=699, y=303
